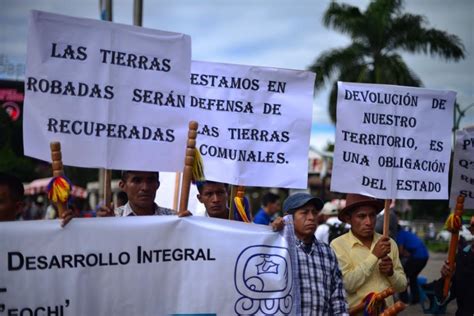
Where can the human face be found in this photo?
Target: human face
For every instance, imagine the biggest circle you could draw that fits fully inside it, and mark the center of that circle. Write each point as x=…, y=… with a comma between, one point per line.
x=141, y=187
x=214, y=197
x=274, y=208
x=362, y=222
x=9, y=208
x=305, y=222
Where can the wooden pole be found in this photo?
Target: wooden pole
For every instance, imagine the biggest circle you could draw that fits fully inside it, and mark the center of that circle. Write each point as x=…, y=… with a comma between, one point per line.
x=188, y=166
x=231, y=202
x=386, y=218
x=177, y=183
x=107, y=187
x=453, y=246
x=58, y=170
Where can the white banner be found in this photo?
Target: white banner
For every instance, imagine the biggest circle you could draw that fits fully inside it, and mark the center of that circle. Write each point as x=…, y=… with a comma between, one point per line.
x=158, y=265
x=463, y=169
x=255, y=123
x=392, y=141
x=106, y=91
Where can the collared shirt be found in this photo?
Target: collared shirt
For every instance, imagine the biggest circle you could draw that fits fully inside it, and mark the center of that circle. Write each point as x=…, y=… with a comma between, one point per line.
x=321, y=288
x=126, y=210
x=360, y=269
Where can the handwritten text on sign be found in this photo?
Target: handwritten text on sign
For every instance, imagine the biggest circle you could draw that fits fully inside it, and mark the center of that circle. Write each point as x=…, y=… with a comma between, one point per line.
x=84, y=85
x=255, y=123
x=143, y=265
x=392, y=141
x=463, y=168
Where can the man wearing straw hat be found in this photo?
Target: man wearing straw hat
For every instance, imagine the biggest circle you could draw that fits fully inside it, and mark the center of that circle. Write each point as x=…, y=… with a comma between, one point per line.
x=369, y=262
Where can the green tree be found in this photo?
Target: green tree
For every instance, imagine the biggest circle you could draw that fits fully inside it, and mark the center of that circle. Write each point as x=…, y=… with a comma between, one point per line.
x=378, y=36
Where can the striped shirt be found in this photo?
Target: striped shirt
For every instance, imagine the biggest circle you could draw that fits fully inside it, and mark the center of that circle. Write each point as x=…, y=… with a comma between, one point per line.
x=321, y=288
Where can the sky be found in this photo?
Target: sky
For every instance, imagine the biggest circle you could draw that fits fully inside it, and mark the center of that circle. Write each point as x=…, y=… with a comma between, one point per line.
x=278, y=33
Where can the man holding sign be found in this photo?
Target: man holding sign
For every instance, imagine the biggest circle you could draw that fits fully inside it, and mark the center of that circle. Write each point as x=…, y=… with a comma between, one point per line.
x=369, y=262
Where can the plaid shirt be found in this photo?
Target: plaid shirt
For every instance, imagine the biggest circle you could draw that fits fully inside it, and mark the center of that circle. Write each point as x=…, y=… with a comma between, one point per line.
x=321, y=288
x=126, y=210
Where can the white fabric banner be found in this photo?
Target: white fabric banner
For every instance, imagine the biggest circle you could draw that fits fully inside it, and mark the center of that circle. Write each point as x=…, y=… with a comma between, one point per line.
x=463, y=169
x=142, y=265
x=106, y=91
x=392, y=141
x=255, y=123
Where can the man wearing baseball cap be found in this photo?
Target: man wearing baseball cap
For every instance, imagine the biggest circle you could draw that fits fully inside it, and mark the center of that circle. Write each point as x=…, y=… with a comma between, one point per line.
x=369, y=262
x=319, y=278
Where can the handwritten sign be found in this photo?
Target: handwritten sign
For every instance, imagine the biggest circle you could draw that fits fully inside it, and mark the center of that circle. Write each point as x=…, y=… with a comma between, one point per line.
x=392, y=141
x=463, y=169
x=107, y=92
x=255, y=123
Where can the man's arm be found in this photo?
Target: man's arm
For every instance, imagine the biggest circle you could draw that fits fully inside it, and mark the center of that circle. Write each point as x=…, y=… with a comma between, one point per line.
x=398, y=280
x=354, y=275
x=338, y=303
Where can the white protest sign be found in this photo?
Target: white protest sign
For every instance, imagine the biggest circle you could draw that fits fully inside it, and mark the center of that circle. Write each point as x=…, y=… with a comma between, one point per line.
x=142, y=265
x=463, y=169
x=392, y=141
x=107, y=92
x=255, y=123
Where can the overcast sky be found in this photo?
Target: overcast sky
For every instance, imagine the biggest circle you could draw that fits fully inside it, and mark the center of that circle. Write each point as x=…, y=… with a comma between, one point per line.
x=277, y=33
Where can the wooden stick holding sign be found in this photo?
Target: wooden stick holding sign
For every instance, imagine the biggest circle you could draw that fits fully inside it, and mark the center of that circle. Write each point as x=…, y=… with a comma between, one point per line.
x=453, y=224
x=59, y=188
x=188, y=166
x=386, y=218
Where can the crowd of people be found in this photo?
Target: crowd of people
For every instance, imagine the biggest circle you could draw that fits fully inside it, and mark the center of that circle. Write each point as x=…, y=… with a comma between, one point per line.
x=341, y=257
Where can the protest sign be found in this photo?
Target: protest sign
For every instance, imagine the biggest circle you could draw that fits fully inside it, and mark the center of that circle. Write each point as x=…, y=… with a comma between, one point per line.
x=463, y=169
x=255, y=123
x=106, y=91
x=144, y=265
x=392, y=141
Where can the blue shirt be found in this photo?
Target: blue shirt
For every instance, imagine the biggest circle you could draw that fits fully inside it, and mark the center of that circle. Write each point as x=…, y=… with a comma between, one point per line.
x=262, y=218
x=412, y=244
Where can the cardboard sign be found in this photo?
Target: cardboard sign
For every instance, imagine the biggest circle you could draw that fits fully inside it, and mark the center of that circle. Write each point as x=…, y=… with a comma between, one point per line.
x=463, y=169
x=112, y=94
x=255, y=123
x=392, y=141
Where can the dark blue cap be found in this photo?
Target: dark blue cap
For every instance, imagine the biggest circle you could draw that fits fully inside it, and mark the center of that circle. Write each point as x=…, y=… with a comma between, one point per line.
x=297, y=200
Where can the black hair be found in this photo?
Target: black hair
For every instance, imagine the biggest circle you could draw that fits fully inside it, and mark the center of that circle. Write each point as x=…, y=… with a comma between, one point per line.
x=17, y=191
x=122, y=196
x=200, y=185
x=269, y=198
x=126, y=172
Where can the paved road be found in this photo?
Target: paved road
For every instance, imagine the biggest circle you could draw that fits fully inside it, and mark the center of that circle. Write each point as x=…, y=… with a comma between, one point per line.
x=431, y=272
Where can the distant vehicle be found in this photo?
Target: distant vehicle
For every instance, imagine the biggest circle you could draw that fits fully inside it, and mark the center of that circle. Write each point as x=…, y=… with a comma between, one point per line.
x=444, y=235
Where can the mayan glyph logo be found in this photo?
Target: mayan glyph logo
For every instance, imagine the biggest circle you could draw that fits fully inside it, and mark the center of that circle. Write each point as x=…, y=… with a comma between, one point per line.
x=264, y=280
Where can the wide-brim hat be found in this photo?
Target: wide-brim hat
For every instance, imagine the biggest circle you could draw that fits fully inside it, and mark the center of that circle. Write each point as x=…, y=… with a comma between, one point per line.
x=355, y=200
x=297, y=200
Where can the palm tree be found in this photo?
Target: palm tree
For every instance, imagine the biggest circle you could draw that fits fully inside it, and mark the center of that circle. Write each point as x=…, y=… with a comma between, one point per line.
x=378, y=36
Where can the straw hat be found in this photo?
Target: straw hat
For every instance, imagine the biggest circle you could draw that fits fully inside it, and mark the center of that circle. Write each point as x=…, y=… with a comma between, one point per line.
x=355, y=200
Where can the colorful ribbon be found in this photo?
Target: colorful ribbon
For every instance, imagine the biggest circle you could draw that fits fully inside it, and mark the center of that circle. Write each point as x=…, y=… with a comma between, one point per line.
x=453, y=223
x=59, y=189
